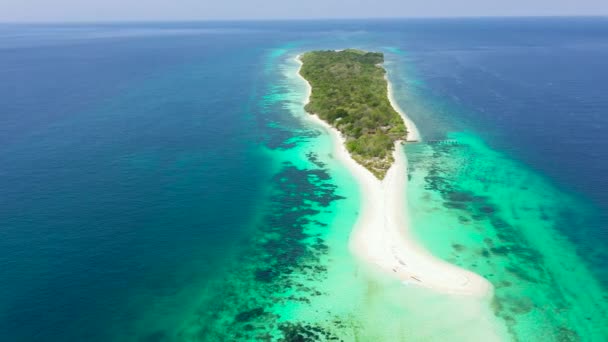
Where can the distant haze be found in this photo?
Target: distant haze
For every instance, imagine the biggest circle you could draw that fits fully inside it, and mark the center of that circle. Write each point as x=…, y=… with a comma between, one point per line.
x=117, y=10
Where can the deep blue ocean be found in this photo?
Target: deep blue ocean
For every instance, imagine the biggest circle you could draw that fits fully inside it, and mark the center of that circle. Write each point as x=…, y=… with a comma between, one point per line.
x=134, y=157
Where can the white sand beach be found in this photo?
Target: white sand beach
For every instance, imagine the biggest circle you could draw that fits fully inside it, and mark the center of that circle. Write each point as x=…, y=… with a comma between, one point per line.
x=381, y=235
x=412, y=130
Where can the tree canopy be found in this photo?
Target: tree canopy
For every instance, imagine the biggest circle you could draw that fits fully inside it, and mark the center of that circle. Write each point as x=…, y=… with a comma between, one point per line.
x=349, y=91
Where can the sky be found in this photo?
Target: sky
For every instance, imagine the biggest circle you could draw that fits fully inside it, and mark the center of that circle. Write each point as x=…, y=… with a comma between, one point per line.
x=121, y=10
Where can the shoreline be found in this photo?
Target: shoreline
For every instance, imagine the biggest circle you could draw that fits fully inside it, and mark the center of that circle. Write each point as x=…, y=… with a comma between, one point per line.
x=381, y=235
x=413, y=134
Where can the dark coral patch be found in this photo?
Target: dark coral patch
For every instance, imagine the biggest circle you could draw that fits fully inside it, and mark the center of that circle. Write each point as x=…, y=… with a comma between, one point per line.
x=248, y=315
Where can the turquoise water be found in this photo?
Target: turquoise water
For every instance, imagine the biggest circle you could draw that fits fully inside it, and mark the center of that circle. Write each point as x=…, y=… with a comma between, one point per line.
x=480, y=210
x=170, y=187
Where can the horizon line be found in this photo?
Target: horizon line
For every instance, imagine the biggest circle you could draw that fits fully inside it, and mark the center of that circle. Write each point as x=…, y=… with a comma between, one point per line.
x=128, y=21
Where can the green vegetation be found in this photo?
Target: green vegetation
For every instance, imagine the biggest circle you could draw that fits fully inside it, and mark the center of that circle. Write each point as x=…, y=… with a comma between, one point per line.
x=349, y=92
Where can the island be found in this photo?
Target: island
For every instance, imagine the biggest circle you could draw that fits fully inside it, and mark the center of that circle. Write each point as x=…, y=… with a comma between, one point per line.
x=350, y=92
x=350, y=97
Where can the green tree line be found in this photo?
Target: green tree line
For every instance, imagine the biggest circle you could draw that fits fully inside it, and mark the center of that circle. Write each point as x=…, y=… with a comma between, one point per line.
x=349, y=91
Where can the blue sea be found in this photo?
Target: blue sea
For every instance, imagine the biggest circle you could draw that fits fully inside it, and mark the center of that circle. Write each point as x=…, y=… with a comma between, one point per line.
x=160, y=181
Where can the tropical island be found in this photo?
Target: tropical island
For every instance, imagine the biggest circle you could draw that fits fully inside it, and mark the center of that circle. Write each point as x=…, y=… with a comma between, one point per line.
x=349, y=96
x=350, y=92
